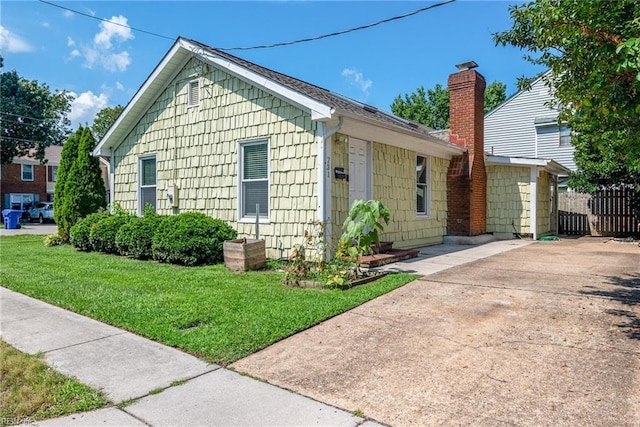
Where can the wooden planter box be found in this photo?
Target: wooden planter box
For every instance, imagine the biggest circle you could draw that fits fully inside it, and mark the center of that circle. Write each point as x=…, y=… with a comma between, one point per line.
x=244, y=254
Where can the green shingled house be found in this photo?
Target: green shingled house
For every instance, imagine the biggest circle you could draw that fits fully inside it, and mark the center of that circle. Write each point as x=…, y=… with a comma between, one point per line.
x=211, y=132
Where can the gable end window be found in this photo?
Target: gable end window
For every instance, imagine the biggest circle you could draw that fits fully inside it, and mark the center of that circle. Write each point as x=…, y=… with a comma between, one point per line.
x=147, y=183
x=27, y=172
x=193, y=96
x=422, y=185
x=565, y=136
x=253, y=158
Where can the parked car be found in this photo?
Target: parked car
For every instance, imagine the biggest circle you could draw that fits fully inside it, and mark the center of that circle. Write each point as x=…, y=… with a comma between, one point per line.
x=41, y=212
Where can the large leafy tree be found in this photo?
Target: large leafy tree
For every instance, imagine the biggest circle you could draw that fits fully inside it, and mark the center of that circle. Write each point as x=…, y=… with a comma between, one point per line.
x=84, y=190
x=593, y=50
x=31, y=117
x=104, y=119
x=431, y=107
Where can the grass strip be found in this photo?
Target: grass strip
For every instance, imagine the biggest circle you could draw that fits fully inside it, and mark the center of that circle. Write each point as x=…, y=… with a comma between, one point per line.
x=209, y=311
x=30, y=390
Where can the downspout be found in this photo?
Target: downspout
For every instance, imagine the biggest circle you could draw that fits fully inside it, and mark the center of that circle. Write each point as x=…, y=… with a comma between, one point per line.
x=533, y=190
x=324, y=178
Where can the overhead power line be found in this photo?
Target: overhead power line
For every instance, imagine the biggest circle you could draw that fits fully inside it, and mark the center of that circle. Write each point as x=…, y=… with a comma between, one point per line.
x=21, y=116
x=105, y=20
x=264, y=46
x=338, y=33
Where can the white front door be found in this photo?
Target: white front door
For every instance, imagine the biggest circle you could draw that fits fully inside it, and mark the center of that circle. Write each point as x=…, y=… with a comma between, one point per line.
x=359, y=170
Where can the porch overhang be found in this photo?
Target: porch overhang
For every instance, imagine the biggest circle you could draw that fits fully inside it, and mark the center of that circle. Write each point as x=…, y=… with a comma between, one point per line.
x=357, y=127
x=550, y=166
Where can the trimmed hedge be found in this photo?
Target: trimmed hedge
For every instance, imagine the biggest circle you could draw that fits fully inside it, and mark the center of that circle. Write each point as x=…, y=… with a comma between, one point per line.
x=103, y=233
x=134, y=239
x=191, y=238
x=79, y=233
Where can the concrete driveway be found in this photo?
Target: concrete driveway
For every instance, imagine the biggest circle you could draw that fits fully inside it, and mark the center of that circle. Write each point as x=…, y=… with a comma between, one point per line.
x=547, y=334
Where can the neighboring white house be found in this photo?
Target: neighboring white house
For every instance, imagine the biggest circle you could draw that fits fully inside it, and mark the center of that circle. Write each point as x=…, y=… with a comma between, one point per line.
x=526, y=125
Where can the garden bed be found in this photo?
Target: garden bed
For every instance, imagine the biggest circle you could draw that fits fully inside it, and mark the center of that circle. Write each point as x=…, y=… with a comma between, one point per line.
x=366, y=277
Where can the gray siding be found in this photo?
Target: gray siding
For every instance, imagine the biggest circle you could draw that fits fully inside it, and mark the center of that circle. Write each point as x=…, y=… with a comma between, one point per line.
x=510, y=129
x=549, y=147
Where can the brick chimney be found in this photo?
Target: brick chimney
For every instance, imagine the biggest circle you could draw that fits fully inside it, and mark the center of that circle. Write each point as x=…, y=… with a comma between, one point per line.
x=466, y=177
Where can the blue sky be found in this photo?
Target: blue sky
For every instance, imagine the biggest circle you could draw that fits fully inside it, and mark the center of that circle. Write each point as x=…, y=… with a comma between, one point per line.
x=104, y=65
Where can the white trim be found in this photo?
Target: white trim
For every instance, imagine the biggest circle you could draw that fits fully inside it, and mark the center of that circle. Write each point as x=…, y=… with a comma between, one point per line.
x=321, y=140
x=189, y=90
x=318, y=110
x=240, y=144
x=98, y=151
x=533, y=209
x=33, y=172
x=140, y=159
x=112, y=176
x=370, y=130
x=427, y=214
x=550, y=166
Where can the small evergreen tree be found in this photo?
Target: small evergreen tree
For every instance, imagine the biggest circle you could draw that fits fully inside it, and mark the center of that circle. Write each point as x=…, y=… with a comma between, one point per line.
x=67, y=157
x=84, y=191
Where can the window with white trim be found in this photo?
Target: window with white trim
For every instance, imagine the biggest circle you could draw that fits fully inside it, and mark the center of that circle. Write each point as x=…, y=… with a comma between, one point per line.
x=422, y=185
x=254, y=179
x=565, y=136
x=147, y=183
x=193, y=93
x=27, y=172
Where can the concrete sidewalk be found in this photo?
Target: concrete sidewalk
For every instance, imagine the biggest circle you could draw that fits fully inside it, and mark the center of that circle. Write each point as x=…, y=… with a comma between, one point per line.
x=125, y=366
x=128, y=367
x=433, y=259
x=29, y=228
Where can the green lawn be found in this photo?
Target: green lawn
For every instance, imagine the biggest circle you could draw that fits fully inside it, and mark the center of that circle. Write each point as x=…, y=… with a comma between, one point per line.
x=30, y=390
x=213, y=313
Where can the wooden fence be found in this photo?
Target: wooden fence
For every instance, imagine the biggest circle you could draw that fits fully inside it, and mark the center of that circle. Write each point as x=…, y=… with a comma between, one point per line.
x=606, y=213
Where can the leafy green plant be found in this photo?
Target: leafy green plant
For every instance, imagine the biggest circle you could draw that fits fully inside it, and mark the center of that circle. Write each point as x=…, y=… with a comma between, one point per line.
x=53, y=240
x=103, y=233
x=80, y=232
x=191, y=238
x=365, y=220
x=307, y=258
x=135, y=238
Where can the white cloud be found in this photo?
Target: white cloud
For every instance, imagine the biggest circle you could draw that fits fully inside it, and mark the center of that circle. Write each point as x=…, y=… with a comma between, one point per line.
x=116, y=29
x=116, y=61
x=119, y=86
x=101, y=52
x=74, y=53
x=13, y=43
x=85, y=107
x=356, y=78
x=46, y=25
x=67, y=14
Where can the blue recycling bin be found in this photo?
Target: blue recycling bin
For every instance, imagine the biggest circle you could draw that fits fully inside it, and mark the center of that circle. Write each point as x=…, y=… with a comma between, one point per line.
x=11, y=218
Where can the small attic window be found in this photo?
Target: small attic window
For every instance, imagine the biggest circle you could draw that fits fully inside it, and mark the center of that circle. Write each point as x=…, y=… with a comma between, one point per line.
x=193, y=96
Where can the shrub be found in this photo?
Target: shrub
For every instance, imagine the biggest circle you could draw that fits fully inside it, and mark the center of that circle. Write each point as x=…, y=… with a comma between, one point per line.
x=103, y=233
x=134, y=239
x=191, y=238
x=53, y=240
x=79, y=233
x=84, y=192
